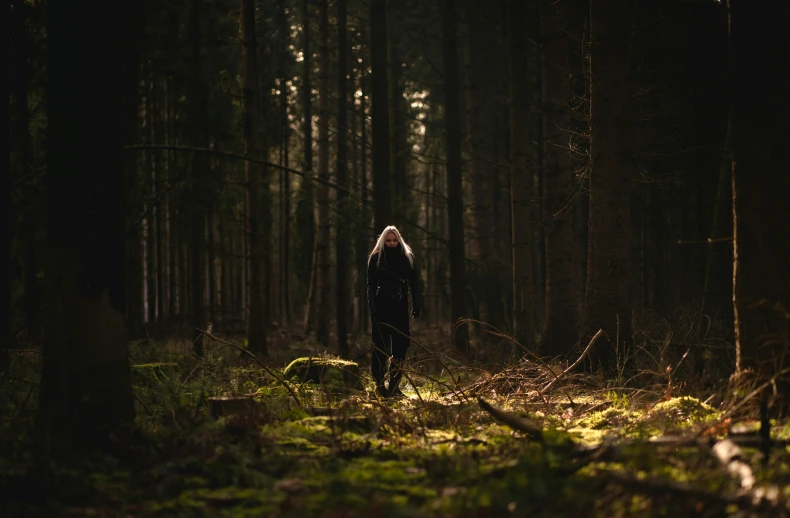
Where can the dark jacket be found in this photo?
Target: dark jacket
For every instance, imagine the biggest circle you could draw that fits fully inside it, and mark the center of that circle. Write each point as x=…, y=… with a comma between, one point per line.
x=393, y=278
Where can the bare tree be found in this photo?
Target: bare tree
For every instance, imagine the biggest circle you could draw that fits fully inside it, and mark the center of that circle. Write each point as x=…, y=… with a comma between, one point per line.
x=382, y=205
x=559, y=332
x=323, y=308
x=343, y=248
x=452, y=125
x=197, y=99
x=761, y=213
x=86, y=390
x=305, y=211
x=520, y=155
x=255, y=176
x=609, y=225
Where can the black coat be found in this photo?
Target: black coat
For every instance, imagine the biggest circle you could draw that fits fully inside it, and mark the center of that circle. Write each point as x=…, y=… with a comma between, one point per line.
x=392, y=278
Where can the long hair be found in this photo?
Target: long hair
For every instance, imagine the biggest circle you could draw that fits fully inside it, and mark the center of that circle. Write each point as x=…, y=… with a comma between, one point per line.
x=379, y=248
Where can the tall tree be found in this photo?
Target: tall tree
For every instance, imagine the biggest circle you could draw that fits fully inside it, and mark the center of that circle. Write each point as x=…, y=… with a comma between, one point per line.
x=343, y=248
x=382, y=208
x=86, y=389
x=455, y=202
x=323, y=308
x=255, y=175
x=197, y=99
x=520, y=170
x=21, y=54
x=285, y=182
x=559, y=330
x=761, y=182
x=609, y=226
x=305, y=213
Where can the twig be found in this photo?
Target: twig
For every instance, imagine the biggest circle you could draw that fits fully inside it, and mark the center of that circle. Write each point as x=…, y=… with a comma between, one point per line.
x=304, y=174
x=737, y=407
x=583, y=355
x=269, y=371
x=433, y=355
x=532, y=430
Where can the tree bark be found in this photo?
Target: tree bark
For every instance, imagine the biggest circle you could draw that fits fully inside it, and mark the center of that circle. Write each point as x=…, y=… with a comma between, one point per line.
x=323, y=308
x=305, y=213
x=86, y=390
x=609, y=221
x=21, y=52
x=520, y=159
x=560, y=326
x=285, y=182
x=452, y=124
x=717, y=290
x=255, y=174
x=382, y=211
x=761, y=182
x=197, y=98
x=343, y=228
x=363, y=237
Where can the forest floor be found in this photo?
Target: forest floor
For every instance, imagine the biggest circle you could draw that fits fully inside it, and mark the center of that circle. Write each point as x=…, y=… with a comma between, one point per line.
x=469, y=439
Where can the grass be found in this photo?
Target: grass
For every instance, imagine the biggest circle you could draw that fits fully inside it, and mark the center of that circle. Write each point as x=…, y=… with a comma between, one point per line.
x=345, y=453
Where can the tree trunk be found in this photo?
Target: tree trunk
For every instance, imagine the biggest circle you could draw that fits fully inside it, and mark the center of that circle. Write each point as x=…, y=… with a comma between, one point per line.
x=305, y=212
x=382, y=212
x=455, y=207
x=475, y=144
x=21, y=52
x=154, y=226
x=520, y=153
x=761, y=212
x=197, y=99
x=717, y=291
x=86, y=389
x=324, y=305
x=285, y=182
x=255, y=174
x=610, y=149
x=363, y=237
x=560, y=326
x=343, y=227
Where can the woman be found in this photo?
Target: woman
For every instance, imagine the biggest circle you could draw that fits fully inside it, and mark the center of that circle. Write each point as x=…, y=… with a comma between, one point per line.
x=392, y=275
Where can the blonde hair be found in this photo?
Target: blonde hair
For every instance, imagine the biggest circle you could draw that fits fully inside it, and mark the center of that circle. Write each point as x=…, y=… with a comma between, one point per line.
x=380, y=245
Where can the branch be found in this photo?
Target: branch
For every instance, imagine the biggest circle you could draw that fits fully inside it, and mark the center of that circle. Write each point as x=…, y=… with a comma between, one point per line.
x=237, y=156
x=532, y=430
x=269, y=371
x=584, y=354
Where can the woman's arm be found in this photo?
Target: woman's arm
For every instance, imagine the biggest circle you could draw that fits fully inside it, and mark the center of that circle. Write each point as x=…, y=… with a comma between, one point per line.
x=373, y=282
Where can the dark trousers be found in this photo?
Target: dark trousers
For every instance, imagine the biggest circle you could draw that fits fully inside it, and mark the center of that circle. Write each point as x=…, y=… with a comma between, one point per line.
x=388, y=341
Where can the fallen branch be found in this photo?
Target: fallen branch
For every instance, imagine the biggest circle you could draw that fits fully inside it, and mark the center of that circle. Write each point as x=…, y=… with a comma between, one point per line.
x=532, y=430
x=573, y=366
x=730, y=456
x=743, y=500
x=269, y=371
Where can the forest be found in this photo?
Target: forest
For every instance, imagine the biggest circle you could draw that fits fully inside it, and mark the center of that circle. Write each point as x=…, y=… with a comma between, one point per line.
x=425, y=258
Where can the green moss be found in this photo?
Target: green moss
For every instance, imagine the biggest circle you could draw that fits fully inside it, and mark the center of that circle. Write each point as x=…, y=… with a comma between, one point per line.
x=680, y=412
x=330, y=372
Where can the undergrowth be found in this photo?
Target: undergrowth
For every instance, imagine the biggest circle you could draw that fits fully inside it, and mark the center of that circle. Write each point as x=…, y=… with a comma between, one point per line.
x=343, y=452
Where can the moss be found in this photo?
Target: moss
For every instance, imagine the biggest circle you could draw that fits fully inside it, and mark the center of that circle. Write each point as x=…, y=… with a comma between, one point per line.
x=610, y=418
x=330, y=372
x=680, y=411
